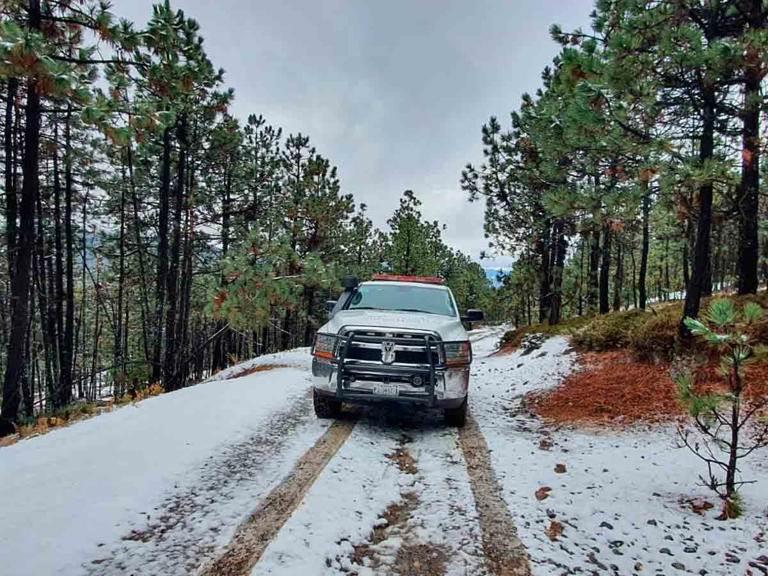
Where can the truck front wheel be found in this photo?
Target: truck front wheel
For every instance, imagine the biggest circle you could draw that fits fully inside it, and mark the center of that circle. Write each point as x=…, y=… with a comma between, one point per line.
x=457, y=416
x=325, y=407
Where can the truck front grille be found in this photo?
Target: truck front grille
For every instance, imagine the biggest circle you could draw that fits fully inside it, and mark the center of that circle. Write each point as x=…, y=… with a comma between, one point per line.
x=410, y=349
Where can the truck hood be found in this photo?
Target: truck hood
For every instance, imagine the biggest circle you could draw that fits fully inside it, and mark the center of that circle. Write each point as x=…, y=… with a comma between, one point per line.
x=449, y=329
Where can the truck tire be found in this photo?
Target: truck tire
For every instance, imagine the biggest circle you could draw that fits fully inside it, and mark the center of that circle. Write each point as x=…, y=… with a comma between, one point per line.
x=457, y=417
x=325, y=407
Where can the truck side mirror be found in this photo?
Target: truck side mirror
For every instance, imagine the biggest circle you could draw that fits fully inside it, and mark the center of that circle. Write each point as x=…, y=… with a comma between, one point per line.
x=350, y=282
x=330, y=305
x=473, y=315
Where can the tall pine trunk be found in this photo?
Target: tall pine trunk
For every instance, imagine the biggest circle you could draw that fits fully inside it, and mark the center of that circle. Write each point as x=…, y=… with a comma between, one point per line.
x=20, y=281
x=748, y=194
x=545, y=260
x=618, y=278
x=593, y=287
x=172, y=279
x=162, y=257
x=605, y=270
x=556, y=281
x=642, y=279
x=11, y=207
x=701, y=252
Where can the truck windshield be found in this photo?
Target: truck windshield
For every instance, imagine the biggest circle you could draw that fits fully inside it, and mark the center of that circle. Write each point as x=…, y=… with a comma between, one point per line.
x=399, y=297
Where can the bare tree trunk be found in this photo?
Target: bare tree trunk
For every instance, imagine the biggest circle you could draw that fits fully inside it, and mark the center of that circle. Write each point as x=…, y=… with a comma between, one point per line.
x=556, y=281
x=172, y=280
x=748, y=193
x=645, y=245
x=605, y=269
x=20, y=281
x=701, y=256
x=162, y=256
x=11, y=204
x=618, y=278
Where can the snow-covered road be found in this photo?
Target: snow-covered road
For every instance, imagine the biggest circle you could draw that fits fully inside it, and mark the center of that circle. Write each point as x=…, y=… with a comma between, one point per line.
x=155, y=487
x=164, y=486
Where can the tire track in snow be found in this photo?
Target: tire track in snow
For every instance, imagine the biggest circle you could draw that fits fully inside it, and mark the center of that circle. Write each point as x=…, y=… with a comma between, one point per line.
x=187, y=528
x=254, y=535
x=504, y=552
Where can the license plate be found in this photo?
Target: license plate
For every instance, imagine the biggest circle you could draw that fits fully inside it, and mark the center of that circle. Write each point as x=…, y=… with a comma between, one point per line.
x=386, y=389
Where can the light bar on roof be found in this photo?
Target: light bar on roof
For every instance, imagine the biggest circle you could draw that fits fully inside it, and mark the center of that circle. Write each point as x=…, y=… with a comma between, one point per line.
x=403, y=278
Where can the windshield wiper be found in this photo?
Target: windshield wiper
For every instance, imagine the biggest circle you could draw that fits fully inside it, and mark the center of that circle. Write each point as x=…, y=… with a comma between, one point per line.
x=415, y=310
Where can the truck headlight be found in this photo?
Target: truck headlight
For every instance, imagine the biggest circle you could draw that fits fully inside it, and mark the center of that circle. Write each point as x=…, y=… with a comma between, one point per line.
x=325, y=346
x=458, y=353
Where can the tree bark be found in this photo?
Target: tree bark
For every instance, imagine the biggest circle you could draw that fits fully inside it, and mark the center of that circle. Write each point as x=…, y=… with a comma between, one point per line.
x=172, y=279
x=118, y=359
x=11, y=204
x=618, y=278
x=605, y=270
x=20, y=281
x=556, y=277
x=748, y=192
x=161, y=279
x=594, y=267
x=545, y=260
x=701, y=255
x=644, y=246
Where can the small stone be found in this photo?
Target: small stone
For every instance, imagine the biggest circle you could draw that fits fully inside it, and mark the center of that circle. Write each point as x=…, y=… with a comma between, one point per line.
x=678, y=565
x=560, y=469
x=606, y=525
x=652, y=522
x=666, y=551
x=690, y=549
x=638, y=566
x=668, y=537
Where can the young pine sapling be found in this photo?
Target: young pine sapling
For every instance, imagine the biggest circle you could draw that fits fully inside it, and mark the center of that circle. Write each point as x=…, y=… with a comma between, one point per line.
x=730, y=423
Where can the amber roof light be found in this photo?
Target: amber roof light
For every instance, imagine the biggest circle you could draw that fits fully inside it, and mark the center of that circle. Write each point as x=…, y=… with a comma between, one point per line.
x=403, y=278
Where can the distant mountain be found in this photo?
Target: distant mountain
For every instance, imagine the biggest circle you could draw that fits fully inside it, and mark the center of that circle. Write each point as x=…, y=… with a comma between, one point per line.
x=492, y=275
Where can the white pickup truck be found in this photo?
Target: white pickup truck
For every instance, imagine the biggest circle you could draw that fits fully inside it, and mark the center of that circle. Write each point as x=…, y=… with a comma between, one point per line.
x=395, y=339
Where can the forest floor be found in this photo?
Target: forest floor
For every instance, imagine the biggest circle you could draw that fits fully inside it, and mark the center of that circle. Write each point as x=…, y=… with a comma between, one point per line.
x=237, y=476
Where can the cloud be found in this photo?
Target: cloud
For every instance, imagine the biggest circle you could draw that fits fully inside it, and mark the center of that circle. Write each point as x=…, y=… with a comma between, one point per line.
x=394, y=93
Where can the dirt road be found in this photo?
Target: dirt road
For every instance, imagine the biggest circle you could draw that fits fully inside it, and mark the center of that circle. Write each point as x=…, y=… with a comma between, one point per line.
x=237, y=476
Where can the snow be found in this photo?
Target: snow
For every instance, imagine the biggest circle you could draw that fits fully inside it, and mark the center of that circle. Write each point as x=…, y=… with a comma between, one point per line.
x=160, y=486
x=297, y=358
x=348, y=499
x=622, y=500
x=73, y=496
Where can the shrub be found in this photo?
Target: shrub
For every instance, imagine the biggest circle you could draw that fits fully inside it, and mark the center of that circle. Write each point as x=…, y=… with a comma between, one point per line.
x=654, y=339
x=609, y=331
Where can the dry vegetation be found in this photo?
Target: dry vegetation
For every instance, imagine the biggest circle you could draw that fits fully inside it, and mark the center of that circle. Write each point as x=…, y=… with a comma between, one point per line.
x=627, y=360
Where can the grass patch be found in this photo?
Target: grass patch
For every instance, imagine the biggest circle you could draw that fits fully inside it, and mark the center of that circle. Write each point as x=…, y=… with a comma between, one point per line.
x=611, y=331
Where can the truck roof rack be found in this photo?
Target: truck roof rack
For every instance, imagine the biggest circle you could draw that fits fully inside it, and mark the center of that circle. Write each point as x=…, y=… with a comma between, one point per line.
x=404, y=278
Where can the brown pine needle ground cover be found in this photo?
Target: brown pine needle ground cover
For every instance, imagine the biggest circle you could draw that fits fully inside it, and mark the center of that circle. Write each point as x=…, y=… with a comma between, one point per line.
x=612, y=388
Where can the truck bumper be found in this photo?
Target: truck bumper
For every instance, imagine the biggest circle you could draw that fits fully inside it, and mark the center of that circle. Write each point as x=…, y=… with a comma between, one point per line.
x=357, y=385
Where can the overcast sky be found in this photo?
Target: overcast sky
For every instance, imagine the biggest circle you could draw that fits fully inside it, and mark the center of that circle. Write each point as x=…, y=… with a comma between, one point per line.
x=393, y=92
